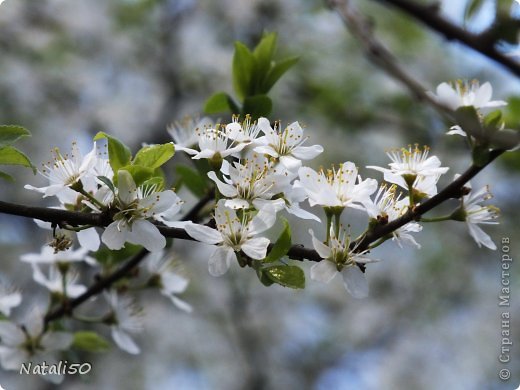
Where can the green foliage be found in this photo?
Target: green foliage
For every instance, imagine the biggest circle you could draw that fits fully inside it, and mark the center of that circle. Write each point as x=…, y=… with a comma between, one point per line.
x=154, y=156
x=119, y=154
x=9, y=155
x=221, y=102
x=472, y=8
x=285, y=275
x=10, y=134
x=90, y=341
x=257, y=106
x=254, y=73
x=196, y=183
x=139, y=173
x=281, y=246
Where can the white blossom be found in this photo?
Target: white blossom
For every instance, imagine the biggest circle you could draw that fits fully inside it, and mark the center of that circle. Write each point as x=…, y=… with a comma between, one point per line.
x=341, y=187
x=29, y=342
x=413, y=167
x=213, y=143
x=387, y=206
x=9, y=299
x=126, y=319
x=233, y=235
x=474, y=214
x=338, y=258
x=57, y=282
x=135, y=205
x=50, y=256
x=65, y=170
x=287, y=145
x=464, y=93
x=252, y=182
x=162, y=271
x=184, y=132
x=245, y=132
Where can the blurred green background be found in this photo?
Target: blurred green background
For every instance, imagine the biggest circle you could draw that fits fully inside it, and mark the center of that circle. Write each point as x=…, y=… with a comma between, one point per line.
x=69, y=69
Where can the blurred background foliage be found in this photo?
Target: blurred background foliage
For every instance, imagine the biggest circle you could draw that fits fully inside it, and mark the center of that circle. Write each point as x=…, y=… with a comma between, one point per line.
x=130, y=67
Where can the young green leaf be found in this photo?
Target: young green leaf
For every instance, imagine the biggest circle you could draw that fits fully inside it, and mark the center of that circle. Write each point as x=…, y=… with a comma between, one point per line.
x=277, y=71
x=154, y=156
x=89, y=341
x=286, y=275
x=257, y=106
x=263, y=54
x=12, y=156
x=243, y=68
x=467, y=118
x=10, y=134
x=119, y=154
x=281, y=246
x=195, y=182
x=139, y=173
x=6, y=177
x=107, y=182
x=220, y=102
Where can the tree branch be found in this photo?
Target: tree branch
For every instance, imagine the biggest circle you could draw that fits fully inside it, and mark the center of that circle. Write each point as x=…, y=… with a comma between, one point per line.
x=362, y=30
x=429, y=15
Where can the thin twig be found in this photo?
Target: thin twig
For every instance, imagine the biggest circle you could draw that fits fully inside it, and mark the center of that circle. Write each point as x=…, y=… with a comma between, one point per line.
x=362, y=30
x=429, y=15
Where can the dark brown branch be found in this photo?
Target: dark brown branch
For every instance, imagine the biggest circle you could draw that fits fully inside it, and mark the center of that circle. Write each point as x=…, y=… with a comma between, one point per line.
x=429, y=15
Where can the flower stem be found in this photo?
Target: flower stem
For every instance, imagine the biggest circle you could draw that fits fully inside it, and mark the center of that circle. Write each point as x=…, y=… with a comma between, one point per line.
x=436, y=219
x=89, y=197
x=378, y=242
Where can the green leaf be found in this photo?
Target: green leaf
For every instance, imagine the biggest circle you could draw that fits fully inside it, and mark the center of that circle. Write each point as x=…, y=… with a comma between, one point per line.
x=154, y=156
x=281, y=246
x=119, y=154
x=139, y=173
x=220, y=102
x=286, y=275
x=277, y=71
x=467, y=118
x=243, y=69
x=472, y=8
x=109, y=258
x=264, y=279
x=263, y=54
x=156, y=183
x=195, y=182
x=90, y=341
x=257, y=106
x=10, y=134
x=108, y=183
x=6, y=177
x=493, y=120
x=12, y=156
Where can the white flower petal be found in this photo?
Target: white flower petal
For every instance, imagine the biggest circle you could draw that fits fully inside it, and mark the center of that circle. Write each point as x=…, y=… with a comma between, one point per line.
x=56, y=341
x=323, y=271
x=355, y=282
x=307, y=152
x=256, y=248
x=124, y=341
x=180, y=304
x=220, y=261
x=89, y=239
x=323, y=250
x=113, y=237
x=225, y=189
x=146, y=234
x=203, y=233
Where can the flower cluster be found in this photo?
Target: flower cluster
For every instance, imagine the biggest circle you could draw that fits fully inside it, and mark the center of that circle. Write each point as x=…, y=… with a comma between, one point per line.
x=255, y=171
